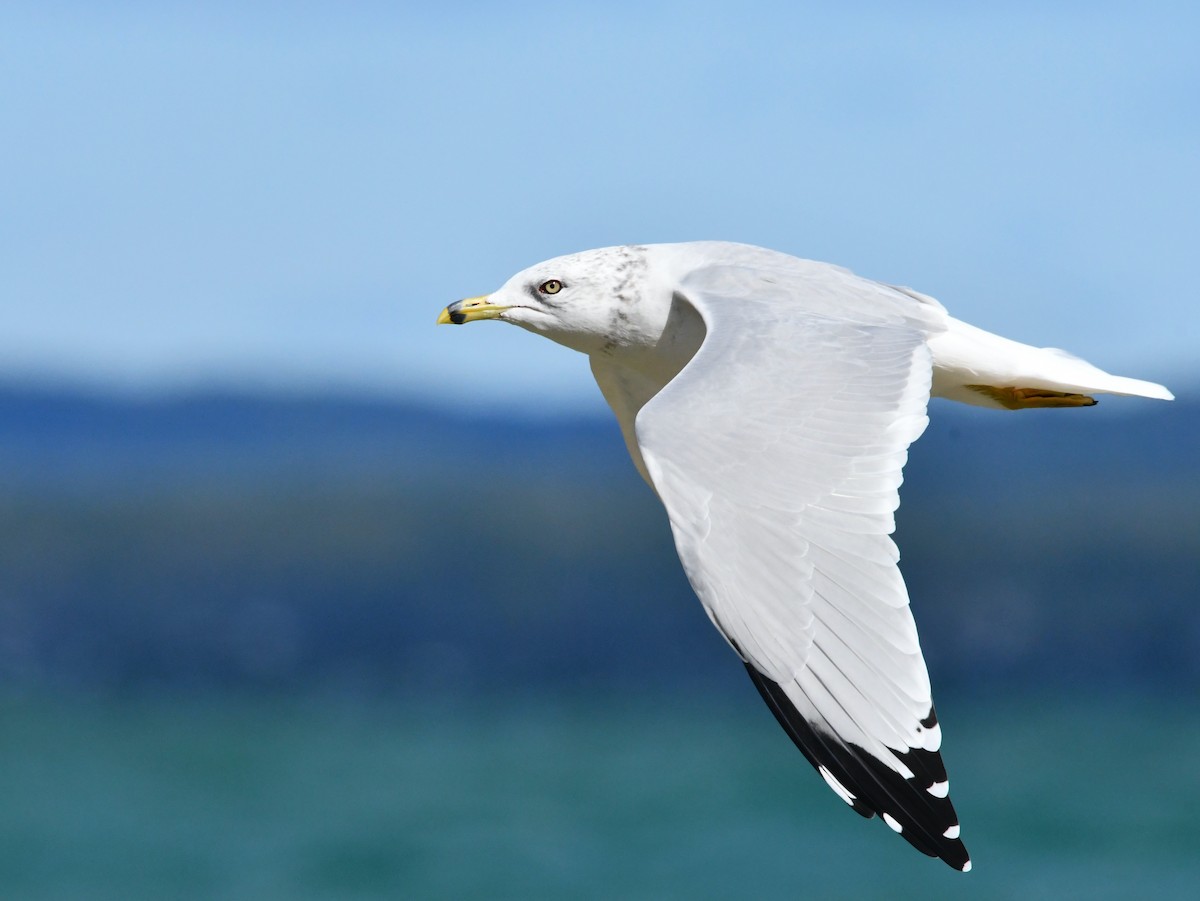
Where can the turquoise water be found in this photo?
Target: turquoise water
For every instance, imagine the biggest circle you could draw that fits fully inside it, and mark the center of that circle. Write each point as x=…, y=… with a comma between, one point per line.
x=572, y=798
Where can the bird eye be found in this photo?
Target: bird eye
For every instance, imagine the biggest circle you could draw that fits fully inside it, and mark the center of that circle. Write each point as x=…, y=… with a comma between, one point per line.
x=551, y=287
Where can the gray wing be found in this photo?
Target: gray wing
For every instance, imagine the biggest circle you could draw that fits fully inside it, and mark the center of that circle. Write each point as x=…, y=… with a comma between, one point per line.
x=777, y=452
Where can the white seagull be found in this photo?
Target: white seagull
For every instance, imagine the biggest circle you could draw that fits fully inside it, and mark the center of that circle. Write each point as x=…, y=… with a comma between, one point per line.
x=770, y=401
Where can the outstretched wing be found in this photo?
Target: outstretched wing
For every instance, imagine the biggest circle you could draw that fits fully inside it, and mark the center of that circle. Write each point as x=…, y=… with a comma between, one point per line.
x=777, y=452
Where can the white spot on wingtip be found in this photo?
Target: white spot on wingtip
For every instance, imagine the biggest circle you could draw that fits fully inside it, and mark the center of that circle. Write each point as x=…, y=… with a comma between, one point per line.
x=840, y=790
x=930, y=739
x=891, y=821
x=939, y=789
x=967, y=867
x=953, y=832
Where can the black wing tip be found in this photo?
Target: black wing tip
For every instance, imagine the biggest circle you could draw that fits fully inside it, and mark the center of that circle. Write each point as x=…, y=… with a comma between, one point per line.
x=926, y=821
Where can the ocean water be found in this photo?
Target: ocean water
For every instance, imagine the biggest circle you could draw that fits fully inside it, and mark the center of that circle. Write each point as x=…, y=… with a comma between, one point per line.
x=573, y=797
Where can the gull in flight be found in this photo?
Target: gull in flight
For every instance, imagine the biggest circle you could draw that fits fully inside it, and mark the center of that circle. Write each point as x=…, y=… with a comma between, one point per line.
x=769, y=402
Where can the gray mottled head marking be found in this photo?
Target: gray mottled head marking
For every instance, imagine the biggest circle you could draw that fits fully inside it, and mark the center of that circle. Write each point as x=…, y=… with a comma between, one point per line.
x=630, y=266
x=631, y=263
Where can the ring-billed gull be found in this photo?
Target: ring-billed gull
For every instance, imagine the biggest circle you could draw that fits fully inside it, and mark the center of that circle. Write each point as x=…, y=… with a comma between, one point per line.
x=770, y=401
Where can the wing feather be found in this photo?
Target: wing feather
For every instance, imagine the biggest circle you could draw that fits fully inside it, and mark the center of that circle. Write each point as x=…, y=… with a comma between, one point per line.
x=777, y=452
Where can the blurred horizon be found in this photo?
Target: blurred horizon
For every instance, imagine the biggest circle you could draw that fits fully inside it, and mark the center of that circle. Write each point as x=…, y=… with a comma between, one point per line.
x=283, y=540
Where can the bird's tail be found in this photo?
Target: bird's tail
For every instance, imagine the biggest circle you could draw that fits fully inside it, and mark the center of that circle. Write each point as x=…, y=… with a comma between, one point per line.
x=978, y=367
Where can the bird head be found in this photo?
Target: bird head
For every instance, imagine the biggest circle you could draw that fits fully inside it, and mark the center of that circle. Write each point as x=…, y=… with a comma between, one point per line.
x=587, y=301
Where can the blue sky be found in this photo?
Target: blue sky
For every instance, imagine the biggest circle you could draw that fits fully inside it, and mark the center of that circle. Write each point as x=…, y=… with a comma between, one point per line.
x=286, y=194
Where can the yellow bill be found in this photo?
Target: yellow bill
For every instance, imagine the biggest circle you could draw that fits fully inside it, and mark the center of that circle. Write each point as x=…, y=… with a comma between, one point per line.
x=469, y=310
